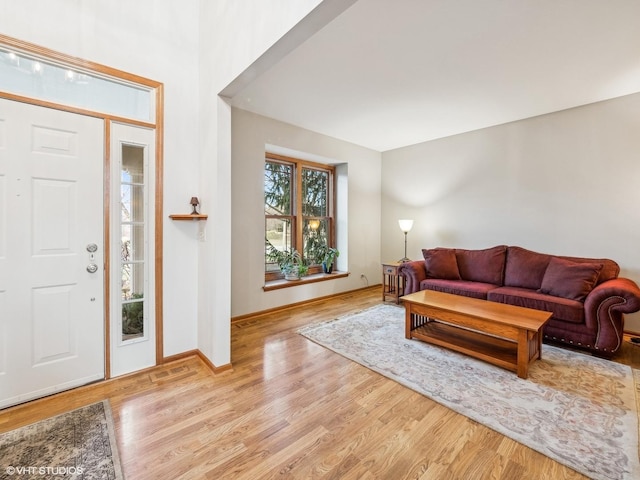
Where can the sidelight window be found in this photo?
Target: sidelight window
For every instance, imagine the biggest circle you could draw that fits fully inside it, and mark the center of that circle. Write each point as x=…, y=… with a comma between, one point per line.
x=132, y=226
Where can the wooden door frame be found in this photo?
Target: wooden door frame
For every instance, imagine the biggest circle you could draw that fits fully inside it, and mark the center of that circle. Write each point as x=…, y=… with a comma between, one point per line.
x=158, y=125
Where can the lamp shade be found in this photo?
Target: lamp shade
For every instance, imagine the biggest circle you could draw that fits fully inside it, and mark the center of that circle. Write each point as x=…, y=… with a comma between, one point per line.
x=405, y=225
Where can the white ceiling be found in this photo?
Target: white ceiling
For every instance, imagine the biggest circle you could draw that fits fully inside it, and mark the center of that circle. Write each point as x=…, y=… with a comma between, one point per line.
x=390, y=73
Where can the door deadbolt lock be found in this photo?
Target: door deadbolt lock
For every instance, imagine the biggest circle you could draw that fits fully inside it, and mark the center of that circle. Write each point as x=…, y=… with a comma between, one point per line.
x=92, y=268
x=92, y=247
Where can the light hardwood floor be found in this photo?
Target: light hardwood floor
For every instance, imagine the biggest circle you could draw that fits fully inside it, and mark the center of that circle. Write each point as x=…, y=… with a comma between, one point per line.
x=292, y=409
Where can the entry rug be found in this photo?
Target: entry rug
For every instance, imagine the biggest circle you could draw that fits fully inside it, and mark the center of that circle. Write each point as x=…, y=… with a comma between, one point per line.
x=80, y=444
x=576, y=409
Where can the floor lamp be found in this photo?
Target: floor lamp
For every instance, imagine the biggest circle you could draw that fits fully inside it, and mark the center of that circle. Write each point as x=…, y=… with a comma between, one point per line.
x=405, y=226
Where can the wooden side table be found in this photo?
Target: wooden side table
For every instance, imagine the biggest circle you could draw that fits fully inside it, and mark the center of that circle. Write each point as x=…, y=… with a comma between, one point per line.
x=392, y=281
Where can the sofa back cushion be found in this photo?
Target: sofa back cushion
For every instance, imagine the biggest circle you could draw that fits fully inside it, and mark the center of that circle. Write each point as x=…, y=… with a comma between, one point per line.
x=525, y=268
x=441, y=263
x=482, y=265
x=568, y=279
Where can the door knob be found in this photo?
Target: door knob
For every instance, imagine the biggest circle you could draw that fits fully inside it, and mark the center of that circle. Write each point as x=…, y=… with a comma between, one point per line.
x=92, y=268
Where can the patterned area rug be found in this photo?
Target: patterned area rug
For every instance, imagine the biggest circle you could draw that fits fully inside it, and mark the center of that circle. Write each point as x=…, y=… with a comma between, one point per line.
x=577, y=409
x=75, y=445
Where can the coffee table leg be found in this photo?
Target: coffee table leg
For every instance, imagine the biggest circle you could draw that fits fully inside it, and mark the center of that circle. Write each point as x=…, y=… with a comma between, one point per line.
x=539, y=334
x=407, y=320
x=523, y=354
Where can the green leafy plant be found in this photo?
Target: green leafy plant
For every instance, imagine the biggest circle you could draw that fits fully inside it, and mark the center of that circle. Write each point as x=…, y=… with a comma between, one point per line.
x=289, y=261
x=329, y=255
x=133, y=316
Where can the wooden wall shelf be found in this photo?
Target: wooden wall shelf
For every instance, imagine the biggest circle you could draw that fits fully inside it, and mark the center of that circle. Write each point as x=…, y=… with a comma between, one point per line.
x=188, y=216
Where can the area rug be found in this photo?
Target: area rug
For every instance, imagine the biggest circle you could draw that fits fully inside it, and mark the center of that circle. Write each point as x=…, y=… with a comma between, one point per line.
x=577, y=409
x=79, y=444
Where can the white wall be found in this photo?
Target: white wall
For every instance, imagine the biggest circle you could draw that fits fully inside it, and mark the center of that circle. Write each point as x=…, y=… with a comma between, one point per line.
x=245, y=30
x=195, y=48
x=564, y=183
x=157, y=40
x=250, y=135
x=238, y=40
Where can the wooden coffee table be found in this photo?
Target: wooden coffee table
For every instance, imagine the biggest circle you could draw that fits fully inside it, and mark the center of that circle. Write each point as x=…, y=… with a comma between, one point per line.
x=504, y=335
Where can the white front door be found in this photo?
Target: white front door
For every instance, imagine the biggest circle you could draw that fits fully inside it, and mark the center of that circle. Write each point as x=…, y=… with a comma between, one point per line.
x=51, y=251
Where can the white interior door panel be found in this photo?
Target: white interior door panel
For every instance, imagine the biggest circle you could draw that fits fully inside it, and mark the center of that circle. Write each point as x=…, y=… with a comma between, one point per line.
x=51, y=208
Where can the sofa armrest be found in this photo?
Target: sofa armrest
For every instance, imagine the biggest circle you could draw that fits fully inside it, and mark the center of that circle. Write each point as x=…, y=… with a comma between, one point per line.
x=413, y=272
x=604, y=308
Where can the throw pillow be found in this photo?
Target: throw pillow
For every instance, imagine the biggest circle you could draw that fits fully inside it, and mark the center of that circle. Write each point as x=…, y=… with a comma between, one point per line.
x=441, y=263
x=568, y=279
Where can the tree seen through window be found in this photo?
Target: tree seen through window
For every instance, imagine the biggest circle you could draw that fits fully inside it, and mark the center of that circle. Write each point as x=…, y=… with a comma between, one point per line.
x=298, y=210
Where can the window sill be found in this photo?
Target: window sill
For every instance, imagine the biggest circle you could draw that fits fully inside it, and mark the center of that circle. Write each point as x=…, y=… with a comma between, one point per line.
x=317, y=277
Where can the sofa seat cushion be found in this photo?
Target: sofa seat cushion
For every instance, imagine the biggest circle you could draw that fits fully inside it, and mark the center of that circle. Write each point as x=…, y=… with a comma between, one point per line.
x=562, y=308
x=458, y=287
x=485, y=266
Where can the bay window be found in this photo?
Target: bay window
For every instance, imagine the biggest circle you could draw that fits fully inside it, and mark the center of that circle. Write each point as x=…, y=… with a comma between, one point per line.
x=299, y=211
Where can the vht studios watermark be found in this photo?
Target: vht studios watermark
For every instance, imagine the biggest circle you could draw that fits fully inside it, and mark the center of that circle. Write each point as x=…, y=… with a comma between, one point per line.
x=59, y=471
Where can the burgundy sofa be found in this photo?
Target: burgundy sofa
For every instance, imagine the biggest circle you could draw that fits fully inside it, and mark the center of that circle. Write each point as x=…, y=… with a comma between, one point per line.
x=586, y=296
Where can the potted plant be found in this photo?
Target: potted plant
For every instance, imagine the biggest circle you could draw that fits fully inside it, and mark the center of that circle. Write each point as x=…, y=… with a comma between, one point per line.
x=289, y=260
x=295, y=271
x=329, y=257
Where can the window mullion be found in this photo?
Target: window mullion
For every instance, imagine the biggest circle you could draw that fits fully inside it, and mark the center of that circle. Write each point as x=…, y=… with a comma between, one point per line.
x=332, y=212
x=297, y=195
